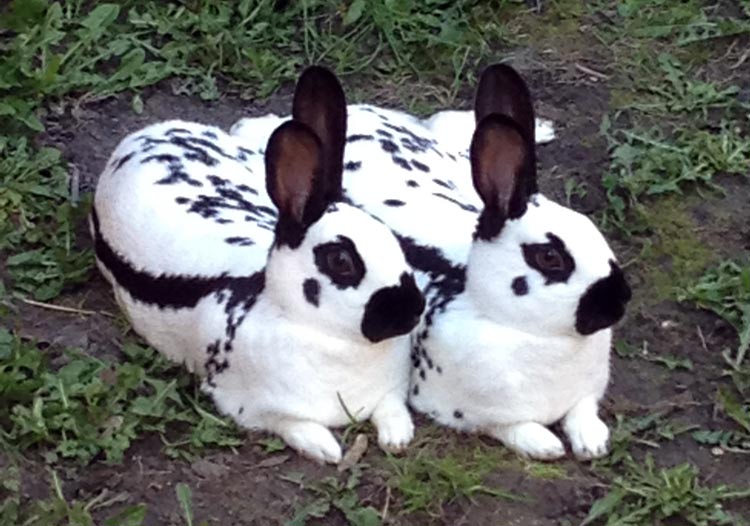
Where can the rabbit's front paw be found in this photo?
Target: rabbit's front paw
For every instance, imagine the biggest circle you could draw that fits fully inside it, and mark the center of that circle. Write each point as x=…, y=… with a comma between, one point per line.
x=311, y=440
x=588, y=435
x=395, y=428
x=530, y=439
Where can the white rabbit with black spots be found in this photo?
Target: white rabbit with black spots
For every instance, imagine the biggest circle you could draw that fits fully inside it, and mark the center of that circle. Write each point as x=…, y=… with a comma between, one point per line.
x=294, y=305
x=522, y=292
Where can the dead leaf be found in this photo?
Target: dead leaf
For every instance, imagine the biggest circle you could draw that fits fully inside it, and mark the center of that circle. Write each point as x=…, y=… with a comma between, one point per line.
x=354, y=454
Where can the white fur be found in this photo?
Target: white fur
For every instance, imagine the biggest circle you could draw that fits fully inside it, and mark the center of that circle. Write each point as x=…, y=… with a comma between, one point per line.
x=291, y=364
x=509, y=365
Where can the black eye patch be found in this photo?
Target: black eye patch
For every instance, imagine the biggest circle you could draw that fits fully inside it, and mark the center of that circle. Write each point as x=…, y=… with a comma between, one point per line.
x=552, y=259
x=340, y=261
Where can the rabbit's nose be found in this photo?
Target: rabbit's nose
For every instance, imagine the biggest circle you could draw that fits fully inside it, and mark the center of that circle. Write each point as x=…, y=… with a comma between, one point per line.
x=604, y=302
x=393, y=311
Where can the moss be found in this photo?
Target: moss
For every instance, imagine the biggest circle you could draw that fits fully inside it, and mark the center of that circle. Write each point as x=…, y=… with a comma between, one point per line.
x=674, y=255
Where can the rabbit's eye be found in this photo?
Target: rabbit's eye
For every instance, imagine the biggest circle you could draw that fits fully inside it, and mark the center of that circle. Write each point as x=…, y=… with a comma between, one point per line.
x=549, y=259
x=340, y=262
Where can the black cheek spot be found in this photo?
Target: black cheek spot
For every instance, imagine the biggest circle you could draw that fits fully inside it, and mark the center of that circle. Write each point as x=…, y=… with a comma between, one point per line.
x=393, y=202
x=412, y=183
x=393, y=311
x=520, y=286
x=458, y=414
x=353, y=166
x=311, y=289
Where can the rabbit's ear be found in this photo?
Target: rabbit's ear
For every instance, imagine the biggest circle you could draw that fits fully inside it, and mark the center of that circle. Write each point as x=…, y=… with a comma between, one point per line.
x=319, y=102
x=501, y=166
x=295, y=181
x=501, y=90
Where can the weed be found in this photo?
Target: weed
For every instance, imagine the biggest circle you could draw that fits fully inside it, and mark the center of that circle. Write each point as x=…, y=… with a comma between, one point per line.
x=725, y=290
x=56, y=510
x=670, y=361
x=648, y=163
x=428, y=483
x=333, y=493
x=645, y=494
x=185, y=498
x=89, y=407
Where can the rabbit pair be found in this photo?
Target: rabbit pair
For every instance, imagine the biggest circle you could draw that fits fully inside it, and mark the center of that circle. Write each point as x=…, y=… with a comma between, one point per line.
x=252, y=270
x=521, y=291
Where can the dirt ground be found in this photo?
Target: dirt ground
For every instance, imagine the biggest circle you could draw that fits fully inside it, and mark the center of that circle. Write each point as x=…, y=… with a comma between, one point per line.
x=248, y=486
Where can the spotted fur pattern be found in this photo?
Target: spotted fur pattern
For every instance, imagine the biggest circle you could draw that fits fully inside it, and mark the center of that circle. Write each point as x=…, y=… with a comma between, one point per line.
x=521, y=292
x=203, y=264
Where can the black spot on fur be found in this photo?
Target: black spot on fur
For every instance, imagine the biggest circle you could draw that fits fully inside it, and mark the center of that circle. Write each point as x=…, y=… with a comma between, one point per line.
x=444, y=184
x=412, y=183
x=311, y=289
x=462, y=206
x=209, y=134
x=322, y=253
x=122, y=160
x=393, y=311
x=439, y=369
x=422, y=374
x=241, y=410
x=446, y=280
x=458, y=414
x=239, y=241
x=604, y=302
x=176, y=170
x=384, y=133
x=175, y=291
x=389, y=146
x=353, y=166
x=393, y=202
x=181, y=200
x=415, y=390
x=217, y=181
x=535, y=254
x=355, y=138
x=403, y=163
x=520, y=286
x=420, y=166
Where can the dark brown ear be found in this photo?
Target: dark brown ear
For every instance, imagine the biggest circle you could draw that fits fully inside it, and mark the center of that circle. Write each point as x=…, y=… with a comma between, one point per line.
x=294, y=179
x=501, y=90
x=501, y=164
x=319, y=102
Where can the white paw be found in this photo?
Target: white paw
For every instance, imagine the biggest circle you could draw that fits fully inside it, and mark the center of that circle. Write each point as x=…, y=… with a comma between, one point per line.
x=312, y=440
x=544, y=131
x=395, y=432
x=588, y=437
x=532, y=440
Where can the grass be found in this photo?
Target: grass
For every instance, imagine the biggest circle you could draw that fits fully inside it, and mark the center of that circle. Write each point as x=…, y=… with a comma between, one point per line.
x=646, y=494
x=88, y=408
x=334, y=493
x=428, y=482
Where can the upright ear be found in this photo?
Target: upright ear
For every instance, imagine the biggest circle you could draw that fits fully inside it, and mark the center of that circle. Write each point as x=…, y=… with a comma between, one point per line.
x=501, y=90
x=501, y=164
x=294, y=180
x=319, y=102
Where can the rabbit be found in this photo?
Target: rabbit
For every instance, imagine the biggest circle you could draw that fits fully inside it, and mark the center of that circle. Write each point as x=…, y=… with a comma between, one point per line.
x=294, y=306
x=522, y=292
